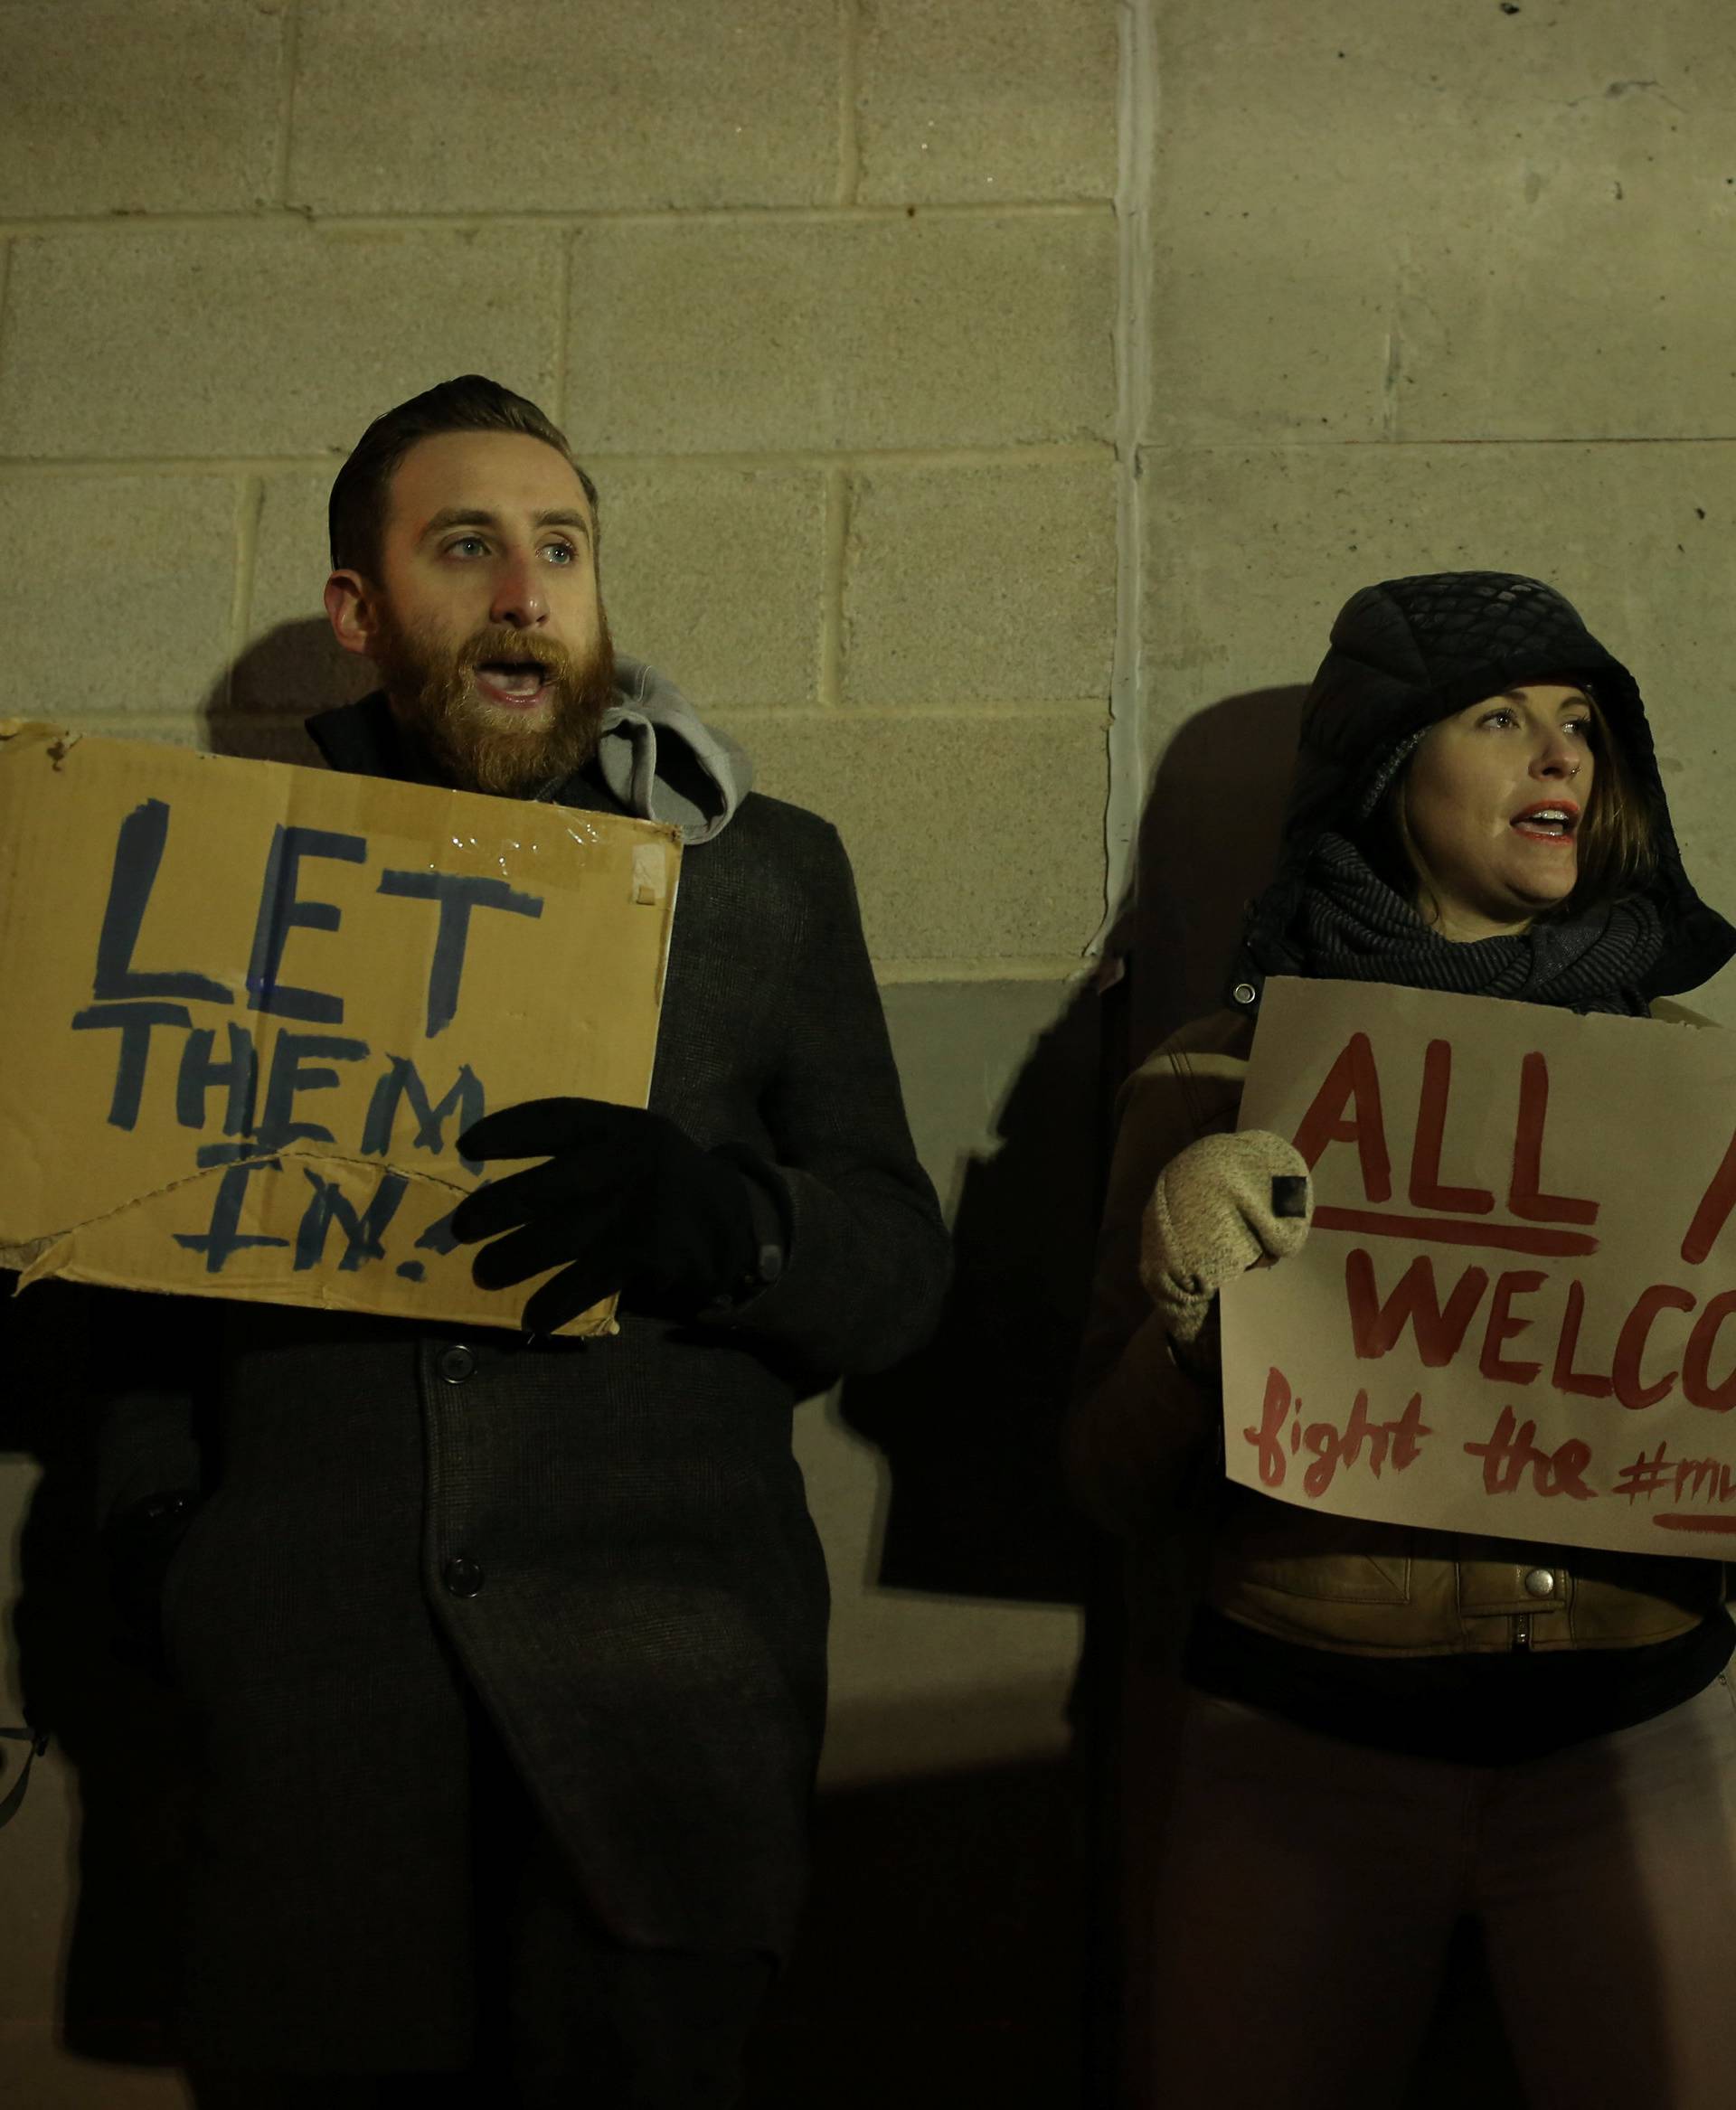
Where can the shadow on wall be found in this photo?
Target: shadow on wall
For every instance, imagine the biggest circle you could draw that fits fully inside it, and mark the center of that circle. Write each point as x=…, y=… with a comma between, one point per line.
x=1207, y=839
x=117, y=1730
x=969, y=1429
x=255, y=710
x=970, y=1425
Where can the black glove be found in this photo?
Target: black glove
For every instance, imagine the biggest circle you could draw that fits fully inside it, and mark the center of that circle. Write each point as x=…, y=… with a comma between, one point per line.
x=627, y=1200
x=137, y=1547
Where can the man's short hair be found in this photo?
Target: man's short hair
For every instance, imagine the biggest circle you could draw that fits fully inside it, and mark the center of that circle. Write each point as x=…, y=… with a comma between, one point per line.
x=357, y=513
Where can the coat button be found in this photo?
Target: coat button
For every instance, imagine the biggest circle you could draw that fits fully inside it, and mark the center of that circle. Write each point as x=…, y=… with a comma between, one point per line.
x=1540, y=1582
x=1244, y=993
x=456, y=1363
x=462, y=1575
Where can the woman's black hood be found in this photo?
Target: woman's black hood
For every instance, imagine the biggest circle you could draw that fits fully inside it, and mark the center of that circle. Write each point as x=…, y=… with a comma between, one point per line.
x=1410, y=651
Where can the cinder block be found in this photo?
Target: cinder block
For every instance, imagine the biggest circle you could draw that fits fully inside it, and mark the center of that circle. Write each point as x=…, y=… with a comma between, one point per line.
x=987, y=100
x=981, y=585
x=539, y=106
x=274, y=340
x=123, y=603
x=918, y=333
x=1598, y=304
x=292, y=662
x=1292, y=159
x=716, y=576
x=110, y=107
x=976, y=840
x=1251, y=554
x=1456, y=222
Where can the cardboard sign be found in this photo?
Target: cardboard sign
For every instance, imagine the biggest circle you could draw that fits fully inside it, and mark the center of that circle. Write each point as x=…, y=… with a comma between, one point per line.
x=249, y=1008
x=1515, y=1312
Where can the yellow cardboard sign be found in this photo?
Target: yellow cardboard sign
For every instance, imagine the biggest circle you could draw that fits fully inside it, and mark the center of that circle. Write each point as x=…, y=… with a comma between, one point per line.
x=249, y=1008
x=1515, y=1312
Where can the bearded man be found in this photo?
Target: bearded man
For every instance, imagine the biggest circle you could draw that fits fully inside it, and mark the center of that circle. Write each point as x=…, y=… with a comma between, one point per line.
x=504, y=1653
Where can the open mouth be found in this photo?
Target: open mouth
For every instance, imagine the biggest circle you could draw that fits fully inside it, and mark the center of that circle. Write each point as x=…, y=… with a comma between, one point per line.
x=516, y=684
x=1554, y=821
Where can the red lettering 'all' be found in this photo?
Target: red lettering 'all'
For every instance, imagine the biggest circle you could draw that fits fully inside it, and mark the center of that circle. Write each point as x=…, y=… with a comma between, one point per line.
x=1353, y=1079
x=1426, y=1189
x=1713, y=1212
x=1697, y=1387
x=1631, y=1388
x=1525, y=1197
x=1375, y=1328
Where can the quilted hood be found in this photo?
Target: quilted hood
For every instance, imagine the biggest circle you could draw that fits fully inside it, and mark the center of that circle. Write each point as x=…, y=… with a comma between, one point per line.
x=1404, y=655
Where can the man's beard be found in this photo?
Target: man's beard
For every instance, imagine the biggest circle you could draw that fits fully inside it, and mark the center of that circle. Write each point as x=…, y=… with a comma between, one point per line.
x=482, y=746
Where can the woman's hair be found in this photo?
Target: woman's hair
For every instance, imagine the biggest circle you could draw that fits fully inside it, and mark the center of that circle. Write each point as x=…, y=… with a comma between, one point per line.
x=1617, y=848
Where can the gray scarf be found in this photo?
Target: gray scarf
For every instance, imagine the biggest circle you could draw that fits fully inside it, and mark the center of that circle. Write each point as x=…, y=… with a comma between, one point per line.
x=1352, y=928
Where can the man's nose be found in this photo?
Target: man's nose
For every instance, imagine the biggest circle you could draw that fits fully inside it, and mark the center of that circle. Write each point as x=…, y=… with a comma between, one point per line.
x=519, y=599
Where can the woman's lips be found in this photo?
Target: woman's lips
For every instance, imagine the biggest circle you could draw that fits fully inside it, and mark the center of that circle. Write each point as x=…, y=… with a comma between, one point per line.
x=1554, y=821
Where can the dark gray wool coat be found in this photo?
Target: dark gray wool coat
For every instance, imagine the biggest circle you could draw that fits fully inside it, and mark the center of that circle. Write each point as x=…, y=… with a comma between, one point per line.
x=649, y=1634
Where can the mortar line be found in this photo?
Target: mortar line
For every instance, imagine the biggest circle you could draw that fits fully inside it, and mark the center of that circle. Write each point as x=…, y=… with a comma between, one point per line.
x=849, y=87
x=20, y=469
x=289, y=62
x=1086, y=709
x=564, y=331
x=151, y=722
x=482, y=220
x=835, y=547
x=1135, y=147
x=250, y=505
x=1062, y=455
x=1418, y=442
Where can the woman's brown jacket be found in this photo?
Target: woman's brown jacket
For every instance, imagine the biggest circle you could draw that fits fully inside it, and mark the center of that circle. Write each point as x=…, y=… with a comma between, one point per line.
x=1142, y=1443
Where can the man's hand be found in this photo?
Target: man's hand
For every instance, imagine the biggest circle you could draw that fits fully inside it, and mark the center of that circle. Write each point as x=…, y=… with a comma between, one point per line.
x=626, y=1202
x=1213, y=1214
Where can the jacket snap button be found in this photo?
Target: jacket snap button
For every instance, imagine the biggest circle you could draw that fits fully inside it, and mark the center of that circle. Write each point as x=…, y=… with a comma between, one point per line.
x=1540, y=1582
x=462, y=1575
x=1244, y=993
x=456, y=1363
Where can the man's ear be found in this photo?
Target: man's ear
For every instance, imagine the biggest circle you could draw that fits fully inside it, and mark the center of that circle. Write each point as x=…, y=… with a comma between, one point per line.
x=349, y=603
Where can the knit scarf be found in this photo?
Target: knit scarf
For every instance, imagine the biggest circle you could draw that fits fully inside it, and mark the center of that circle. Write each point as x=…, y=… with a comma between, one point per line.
x=1350, y=926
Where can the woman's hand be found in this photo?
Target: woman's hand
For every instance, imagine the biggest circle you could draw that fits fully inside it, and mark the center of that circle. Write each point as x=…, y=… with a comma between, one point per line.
x=1213, y=1214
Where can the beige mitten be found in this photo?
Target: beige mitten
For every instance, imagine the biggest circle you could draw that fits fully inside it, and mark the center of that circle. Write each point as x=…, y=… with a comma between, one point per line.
x=1212, y=1215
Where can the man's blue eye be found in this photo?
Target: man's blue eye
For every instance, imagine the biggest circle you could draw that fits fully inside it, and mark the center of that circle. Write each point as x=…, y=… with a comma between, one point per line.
x=563, y=551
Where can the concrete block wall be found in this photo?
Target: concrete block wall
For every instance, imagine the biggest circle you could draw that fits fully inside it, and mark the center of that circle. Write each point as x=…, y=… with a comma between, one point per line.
x=825, y=292
x=1430, y=289
x=993, y=401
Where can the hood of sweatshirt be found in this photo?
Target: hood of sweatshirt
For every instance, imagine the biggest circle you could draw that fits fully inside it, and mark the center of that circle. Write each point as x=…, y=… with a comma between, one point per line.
x=1409, y=651
x=658, y=758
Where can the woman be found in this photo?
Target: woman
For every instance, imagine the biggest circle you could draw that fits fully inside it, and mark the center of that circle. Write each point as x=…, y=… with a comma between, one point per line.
x=1384, y=1730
